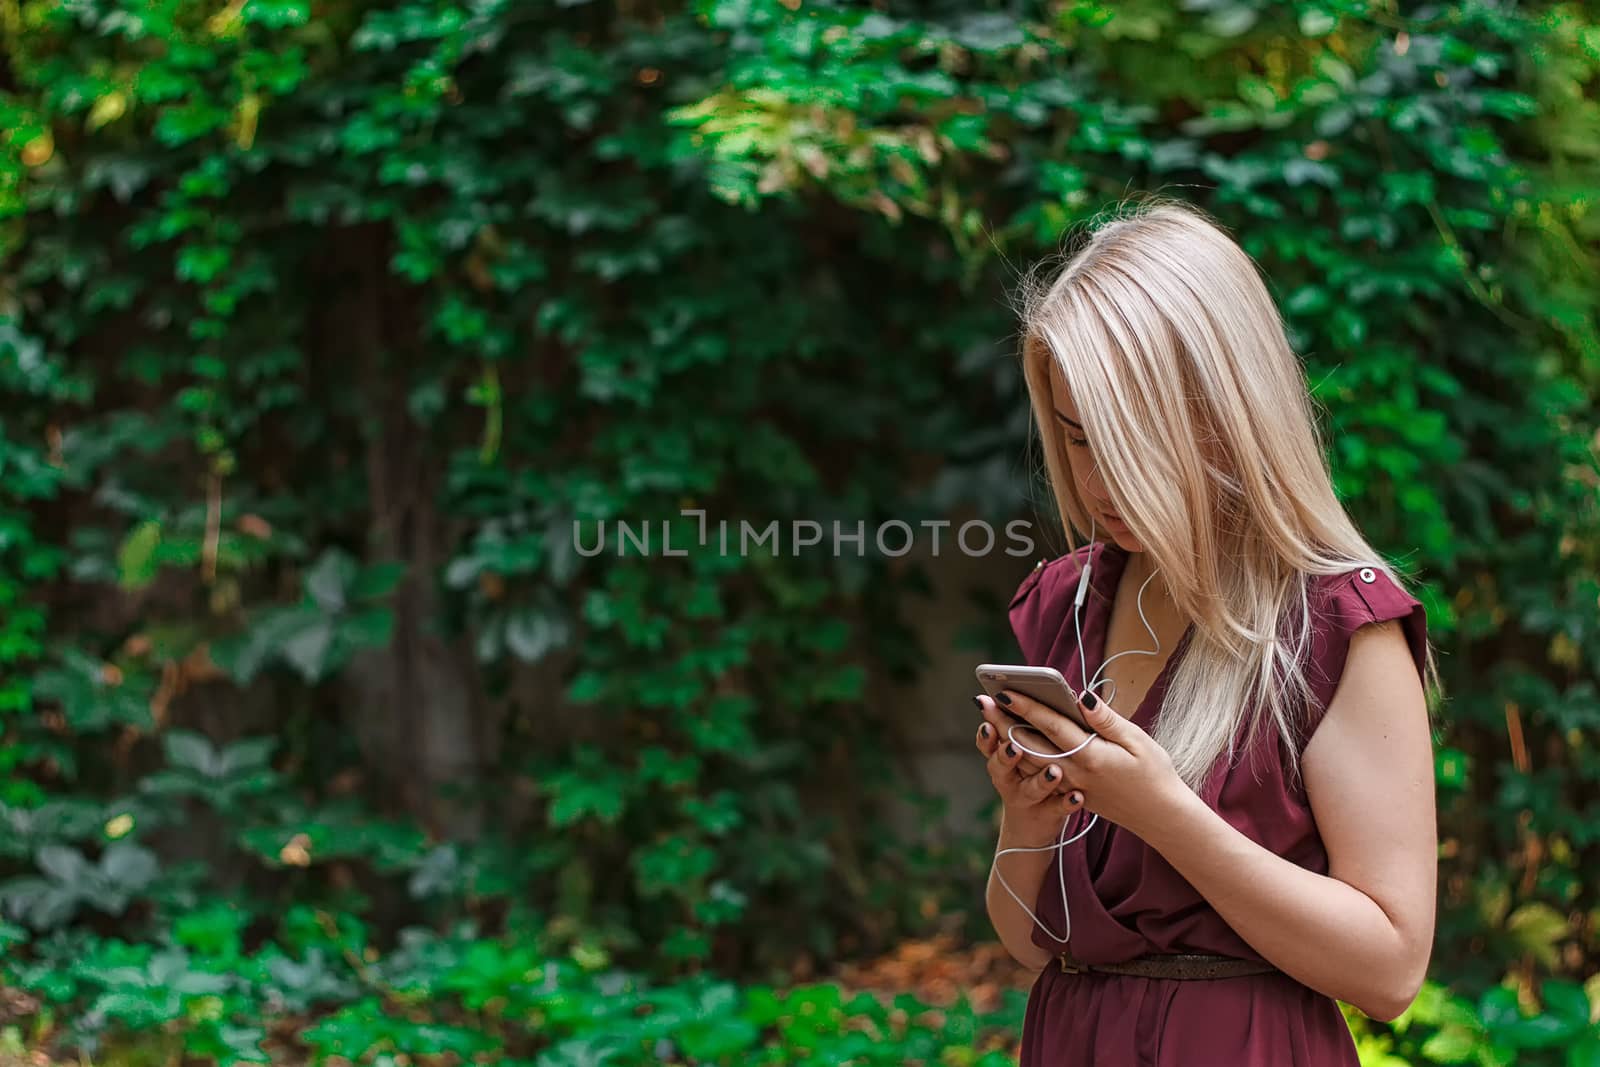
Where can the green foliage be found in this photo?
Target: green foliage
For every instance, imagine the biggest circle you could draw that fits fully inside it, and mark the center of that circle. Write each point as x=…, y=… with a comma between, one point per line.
x=1495, y=1030
x=461, y=994
x=70, y=882
x=222, y=777
x=325, y=342
x=340, y=613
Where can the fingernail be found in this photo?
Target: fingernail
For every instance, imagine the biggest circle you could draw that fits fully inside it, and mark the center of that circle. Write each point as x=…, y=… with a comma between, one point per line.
x=977, y=703
x=1051, y=774
x=1011, y=750
x=1088, y=700
x=983, y=731
x=1075, y=796
x=1003, y=698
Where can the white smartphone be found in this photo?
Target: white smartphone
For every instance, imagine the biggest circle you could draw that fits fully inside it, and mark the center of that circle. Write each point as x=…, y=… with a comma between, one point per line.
x=1043, y=684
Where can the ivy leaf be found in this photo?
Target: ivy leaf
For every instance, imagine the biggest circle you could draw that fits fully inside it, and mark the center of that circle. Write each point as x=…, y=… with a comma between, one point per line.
x=531, y=633
x=588, y=785
x=188, y=750
x=1314, y=23
x=1453, y=1044
x=128, y=866
x=1230, y=21
x=366, y=629
x=64, y=864
x=673, y=864
x=1451, y=767
x=247, y=755
x=1566, y=1001
x=328, y=581
x=1585, y=1052
x=1539, y=928
x=307, y=649
x=136, y=558
x=376, y=581
x=243, y=655
x=276, y=14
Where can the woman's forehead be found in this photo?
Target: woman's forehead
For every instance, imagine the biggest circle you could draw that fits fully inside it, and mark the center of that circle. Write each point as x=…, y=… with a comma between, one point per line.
x=1060, y=395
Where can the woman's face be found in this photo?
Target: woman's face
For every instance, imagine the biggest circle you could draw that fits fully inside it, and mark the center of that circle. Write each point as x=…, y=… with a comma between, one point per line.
x=1085, y=470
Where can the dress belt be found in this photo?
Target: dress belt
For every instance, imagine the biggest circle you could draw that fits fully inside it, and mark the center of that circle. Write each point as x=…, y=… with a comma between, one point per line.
x=1187, y=966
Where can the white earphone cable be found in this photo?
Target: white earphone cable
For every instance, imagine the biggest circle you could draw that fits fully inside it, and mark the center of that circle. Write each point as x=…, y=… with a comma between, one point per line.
x=1062, y=840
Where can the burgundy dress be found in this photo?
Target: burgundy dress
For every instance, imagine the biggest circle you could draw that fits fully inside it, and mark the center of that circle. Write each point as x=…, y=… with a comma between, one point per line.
x=1126, y=900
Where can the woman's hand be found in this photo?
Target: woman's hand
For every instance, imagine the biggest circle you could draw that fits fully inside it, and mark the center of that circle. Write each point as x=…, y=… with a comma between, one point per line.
x=1027, y=737
x=1036, y=802
x=1123, y=775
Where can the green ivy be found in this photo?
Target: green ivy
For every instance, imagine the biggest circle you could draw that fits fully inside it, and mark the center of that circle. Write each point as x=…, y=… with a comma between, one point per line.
x=325, y=340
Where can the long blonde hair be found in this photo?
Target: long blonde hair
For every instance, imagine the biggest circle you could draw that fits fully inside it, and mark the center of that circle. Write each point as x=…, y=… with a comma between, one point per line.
x=1200, y=420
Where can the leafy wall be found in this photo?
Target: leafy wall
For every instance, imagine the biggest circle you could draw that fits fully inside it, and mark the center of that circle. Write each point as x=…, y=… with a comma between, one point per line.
x=319, y=331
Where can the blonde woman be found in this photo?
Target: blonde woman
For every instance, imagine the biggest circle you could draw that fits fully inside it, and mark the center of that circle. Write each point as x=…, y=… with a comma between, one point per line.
x=1249, y=816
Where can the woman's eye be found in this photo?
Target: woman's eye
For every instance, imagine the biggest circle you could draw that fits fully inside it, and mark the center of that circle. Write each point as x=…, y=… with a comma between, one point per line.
x=1078, y=441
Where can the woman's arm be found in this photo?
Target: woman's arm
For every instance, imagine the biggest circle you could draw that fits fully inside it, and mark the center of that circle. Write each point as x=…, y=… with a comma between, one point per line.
x=1024, y=872
x=1363, y=932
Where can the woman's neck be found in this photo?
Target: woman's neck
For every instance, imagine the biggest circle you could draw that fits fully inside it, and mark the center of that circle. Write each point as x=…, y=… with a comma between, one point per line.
x=1158, y=602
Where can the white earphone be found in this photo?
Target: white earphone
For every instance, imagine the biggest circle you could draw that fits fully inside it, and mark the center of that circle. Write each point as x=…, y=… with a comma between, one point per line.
x=1063, y=841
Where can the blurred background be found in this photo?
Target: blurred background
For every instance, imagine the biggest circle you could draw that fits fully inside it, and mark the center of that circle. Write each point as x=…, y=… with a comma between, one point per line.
x=321, y=326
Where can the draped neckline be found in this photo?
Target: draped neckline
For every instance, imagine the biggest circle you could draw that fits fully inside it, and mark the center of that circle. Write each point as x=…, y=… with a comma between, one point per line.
x=1110, y=561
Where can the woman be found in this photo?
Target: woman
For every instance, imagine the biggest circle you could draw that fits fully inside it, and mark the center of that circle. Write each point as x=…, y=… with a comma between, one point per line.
x=1262, y=774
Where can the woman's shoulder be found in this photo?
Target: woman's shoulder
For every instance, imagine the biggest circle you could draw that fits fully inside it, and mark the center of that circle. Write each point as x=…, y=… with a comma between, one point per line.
x=1362, y=594
x=1044, y=598
x=1047, y=574
x=1341, y=604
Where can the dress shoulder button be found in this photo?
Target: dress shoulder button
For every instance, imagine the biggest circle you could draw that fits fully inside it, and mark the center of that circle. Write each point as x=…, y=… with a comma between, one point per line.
x=1368, y=575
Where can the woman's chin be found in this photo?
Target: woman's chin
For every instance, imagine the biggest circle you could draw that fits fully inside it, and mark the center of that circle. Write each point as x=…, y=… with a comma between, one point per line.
x=1125, y=540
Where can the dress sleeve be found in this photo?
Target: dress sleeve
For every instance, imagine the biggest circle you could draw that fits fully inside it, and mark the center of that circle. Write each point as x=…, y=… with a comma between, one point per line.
x=1039, y=606
x=1348, y=602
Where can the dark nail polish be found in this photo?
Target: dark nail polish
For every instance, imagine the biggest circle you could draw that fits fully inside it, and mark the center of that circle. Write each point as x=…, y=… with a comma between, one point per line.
x=1003, y=698
x=1088, y=700
x=1011, y=750
x=1050, y=774
x=977, y=703
x=1076, y=797
x=984, y=731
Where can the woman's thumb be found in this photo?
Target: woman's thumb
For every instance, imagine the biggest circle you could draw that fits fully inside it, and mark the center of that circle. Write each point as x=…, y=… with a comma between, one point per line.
x=1099, y=715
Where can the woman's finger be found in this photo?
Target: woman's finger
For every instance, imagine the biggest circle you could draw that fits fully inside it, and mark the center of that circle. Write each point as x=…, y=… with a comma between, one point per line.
x=986, y=739
x=1038, y=787
x=1005, y=728
x=1058, y=728
x=998, y=720
x=1107, y=721
x=1003, y=765
x=1001, y=726
x=998, y=769
x=1038, y=751
x=1063, y=781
